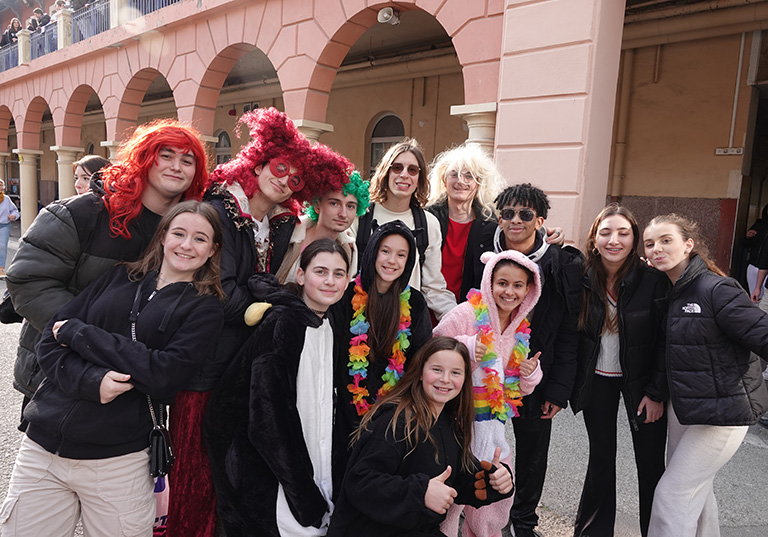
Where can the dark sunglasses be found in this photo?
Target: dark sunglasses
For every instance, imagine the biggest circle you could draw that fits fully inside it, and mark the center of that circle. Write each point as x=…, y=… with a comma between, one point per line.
x=280, y=169
x=398, y=168
x=526, y=215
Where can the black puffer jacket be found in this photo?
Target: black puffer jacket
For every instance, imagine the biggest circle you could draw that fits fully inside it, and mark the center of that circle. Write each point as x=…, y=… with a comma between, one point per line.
x=641, y=341
x=67, y=247
x=711, y=327
x=480, y=240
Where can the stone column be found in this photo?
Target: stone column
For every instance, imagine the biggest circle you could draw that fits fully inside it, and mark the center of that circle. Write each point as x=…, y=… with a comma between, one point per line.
x=112, y=145
x=118, y=13
x=64, y=28
x=3, y=156
x=67, y=157
x=28, y=185
x=481, y=120
x=25, y=46
x=312, y=129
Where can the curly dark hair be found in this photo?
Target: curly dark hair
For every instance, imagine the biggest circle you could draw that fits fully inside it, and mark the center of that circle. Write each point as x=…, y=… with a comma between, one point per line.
x=524, y=194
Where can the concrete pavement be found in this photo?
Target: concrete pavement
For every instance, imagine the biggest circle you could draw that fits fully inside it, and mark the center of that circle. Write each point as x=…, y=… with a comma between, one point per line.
x=741, y=487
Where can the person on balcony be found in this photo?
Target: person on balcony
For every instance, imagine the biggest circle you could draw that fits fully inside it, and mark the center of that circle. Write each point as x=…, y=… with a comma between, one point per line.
x=9, y=35
x=41, y=19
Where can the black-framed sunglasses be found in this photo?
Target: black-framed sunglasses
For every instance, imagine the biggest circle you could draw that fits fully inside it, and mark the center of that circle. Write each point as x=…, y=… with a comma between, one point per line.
x=526, y=215
x=413, y=170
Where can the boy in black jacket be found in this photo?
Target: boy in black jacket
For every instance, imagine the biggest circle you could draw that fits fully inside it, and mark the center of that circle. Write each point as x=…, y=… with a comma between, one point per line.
x=522, y=210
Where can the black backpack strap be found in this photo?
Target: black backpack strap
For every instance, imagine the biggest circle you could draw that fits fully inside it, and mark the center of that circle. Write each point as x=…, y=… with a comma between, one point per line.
x=364, y=230
x=420, y=233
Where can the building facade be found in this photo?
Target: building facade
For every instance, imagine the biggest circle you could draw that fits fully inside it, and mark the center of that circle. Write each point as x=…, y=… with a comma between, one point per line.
x=589, y=99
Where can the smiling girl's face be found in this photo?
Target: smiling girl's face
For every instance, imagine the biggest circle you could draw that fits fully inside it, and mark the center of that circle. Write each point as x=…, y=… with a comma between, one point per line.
x=390, y=261
x=442, y=378
x=187, y=245
x=324, y=281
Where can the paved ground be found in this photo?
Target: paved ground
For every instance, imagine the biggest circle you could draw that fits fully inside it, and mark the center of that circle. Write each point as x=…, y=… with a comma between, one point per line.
x=741, y=486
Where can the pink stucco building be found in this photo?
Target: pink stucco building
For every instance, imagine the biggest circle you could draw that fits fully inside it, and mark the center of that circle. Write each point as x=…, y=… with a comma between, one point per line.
x=585, y=98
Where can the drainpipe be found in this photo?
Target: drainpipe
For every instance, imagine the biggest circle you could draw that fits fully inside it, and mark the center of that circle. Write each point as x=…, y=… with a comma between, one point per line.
x=622, y=124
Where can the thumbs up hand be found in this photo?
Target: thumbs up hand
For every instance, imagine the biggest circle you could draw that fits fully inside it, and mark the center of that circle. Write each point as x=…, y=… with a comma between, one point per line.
x=439, y=496
x=529, y=365
x=493, y=474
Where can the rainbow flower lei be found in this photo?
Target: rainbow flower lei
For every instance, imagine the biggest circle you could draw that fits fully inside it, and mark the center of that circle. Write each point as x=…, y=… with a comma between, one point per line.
x=498, y=398
x=359, y=349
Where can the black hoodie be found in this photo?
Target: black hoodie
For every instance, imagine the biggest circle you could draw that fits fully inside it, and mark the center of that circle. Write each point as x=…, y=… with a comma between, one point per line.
x=341, y=316
x=175, y=333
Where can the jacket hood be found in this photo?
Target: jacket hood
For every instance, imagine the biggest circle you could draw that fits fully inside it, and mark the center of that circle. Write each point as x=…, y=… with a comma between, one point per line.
x=540, y=246
x=491, y=260
x=368, y=256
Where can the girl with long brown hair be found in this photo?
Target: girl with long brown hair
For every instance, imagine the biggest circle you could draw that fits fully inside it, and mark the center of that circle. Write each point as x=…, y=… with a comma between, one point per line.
x=386, y=322
x=716, y=388
x=141, y=330
x=621, y=355
x=412, y=458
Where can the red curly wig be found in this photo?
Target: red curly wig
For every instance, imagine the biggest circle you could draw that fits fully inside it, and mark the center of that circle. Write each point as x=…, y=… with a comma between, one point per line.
x=273, y=136
x=124, y=183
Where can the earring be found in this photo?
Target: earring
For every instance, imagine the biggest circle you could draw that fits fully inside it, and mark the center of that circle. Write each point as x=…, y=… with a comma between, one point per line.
x=595, y=252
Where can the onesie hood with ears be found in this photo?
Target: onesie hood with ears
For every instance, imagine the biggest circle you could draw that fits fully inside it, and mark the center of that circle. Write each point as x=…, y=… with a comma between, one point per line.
x=486, y=288
x=368, y=257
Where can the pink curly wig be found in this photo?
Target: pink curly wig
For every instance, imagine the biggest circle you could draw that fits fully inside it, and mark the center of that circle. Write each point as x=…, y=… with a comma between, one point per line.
x=273, y=136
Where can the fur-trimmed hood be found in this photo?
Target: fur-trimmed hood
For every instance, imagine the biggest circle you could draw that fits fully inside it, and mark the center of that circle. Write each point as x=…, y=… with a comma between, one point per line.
x=491, y=260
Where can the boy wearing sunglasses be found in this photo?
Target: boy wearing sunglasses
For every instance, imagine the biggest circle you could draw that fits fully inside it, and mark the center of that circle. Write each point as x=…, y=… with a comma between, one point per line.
x=399, y=191
x=522, y=210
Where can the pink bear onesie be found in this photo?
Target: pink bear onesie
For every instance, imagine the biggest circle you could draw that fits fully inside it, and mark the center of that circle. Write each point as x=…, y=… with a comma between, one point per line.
x=489, y=432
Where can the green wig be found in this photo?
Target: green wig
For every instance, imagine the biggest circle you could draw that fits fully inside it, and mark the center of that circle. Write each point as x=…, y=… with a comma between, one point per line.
x=356, y=186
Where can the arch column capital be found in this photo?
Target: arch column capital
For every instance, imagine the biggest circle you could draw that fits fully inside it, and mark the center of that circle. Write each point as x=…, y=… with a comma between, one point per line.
x=112, y=146
x=312, y=129
x=67, y=156
x=481, y=121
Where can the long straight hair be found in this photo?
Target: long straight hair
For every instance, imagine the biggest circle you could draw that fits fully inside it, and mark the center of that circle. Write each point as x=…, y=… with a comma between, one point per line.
x=689, y=230
x=411, y=402
x=207, y=279
x=599, y=274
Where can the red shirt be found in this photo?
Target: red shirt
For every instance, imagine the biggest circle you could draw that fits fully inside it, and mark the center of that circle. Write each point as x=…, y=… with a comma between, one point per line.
x=454, y=250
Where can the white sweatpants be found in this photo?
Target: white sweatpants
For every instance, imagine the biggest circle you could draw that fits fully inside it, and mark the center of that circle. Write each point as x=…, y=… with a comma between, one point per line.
x=684, y=503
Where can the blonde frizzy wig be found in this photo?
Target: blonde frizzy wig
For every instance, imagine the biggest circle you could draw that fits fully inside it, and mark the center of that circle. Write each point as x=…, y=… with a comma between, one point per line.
x=475, y=160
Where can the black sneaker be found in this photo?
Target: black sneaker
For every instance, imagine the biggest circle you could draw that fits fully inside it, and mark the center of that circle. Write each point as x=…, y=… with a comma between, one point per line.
x=763, y=422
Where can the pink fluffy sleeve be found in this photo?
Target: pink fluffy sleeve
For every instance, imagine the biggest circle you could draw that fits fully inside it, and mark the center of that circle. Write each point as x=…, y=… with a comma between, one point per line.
x=527, y=384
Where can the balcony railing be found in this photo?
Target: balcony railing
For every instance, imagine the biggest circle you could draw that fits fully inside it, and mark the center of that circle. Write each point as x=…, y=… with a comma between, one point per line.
x=9, y=56
x=86, y=22
x=148, y=6
x=90, y=21
x=44, y=40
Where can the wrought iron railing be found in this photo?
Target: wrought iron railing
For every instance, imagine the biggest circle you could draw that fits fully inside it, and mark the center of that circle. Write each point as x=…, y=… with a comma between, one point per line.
x=148, y=6
x=9, y=56
x=91, y=20
x=45, y=40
